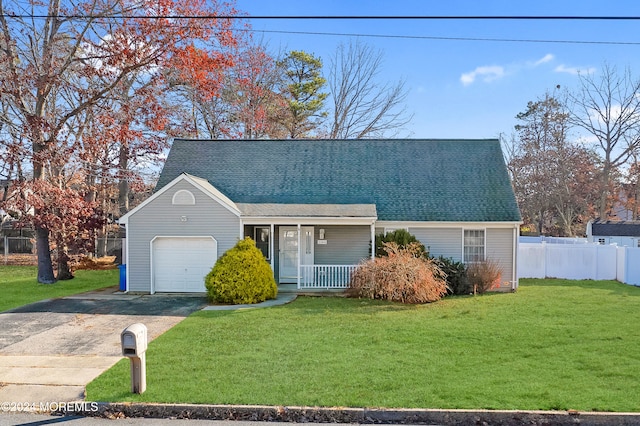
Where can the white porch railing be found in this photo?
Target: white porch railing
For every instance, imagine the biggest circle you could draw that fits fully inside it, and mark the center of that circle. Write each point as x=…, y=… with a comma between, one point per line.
x=325, y=276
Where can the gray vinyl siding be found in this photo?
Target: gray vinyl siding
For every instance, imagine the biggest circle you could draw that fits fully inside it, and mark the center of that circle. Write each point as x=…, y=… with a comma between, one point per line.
x=446, y=242
x=499, y=246
x=346, y=245
x=161, y=218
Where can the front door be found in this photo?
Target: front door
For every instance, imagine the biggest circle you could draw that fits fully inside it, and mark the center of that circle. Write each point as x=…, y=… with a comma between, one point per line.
x=289, y=251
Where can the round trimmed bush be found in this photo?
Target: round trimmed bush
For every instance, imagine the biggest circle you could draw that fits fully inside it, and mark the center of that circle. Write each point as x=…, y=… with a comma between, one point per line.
x=241, y=276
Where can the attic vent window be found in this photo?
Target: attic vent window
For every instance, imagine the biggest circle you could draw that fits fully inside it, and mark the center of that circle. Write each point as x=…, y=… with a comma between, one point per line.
x=184, y=198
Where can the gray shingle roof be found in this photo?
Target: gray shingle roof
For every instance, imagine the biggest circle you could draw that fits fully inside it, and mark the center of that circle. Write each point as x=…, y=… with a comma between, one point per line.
x=407, y=180
x=616, y=228
x=308, y=210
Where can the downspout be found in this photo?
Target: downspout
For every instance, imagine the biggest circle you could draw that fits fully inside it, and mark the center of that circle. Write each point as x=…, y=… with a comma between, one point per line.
x=125, y=258
x=272, y=248
x=373, y=240
x=299, y=253
x=514, y=282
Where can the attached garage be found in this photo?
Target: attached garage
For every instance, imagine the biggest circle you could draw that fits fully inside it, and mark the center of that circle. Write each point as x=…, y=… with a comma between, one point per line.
x=179, y=264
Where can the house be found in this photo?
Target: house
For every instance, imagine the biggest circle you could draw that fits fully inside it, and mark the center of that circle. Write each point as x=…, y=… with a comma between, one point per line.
x=620, y=232
x=314, y=206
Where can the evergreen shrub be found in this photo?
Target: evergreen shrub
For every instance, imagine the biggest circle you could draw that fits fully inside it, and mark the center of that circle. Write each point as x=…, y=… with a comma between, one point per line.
x=402, y=238
x=456, y=275
x=241, y=276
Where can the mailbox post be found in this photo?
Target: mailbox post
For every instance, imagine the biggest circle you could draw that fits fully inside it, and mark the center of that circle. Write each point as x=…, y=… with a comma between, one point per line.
x=134, y=346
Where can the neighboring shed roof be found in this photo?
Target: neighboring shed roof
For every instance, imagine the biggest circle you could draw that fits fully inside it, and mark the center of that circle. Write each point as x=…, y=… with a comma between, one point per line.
x=407, y=180
x=616, y=228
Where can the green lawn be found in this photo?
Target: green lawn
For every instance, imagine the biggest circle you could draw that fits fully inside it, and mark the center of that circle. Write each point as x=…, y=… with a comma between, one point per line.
x=18, y=285
x=554, y=344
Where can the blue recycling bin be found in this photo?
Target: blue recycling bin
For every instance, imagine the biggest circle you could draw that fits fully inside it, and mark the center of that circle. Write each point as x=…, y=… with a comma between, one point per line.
x=123, y=277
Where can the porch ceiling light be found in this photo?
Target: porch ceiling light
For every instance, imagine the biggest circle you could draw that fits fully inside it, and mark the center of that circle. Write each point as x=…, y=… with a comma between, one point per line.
x=183, y=218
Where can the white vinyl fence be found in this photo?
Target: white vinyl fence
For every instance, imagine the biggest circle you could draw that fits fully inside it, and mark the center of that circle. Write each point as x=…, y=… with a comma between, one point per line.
x=579, y=262
x=628, y=265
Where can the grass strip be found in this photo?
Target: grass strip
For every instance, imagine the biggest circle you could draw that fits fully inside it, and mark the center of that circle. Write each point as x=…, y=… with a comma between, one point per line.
x=19, y=286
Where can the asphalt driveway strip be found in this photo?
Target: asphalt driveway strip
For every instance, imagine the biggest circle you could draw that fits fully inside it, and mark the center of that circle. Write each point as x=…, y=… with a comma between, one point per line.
x=50, y=350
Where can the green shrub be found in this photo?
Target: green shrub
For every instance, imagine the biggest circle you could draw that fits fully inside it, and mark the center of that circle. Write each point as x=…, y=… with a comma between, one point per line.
x=404, y=275
x=402, y=238
x=484, y=276
x=241, y=275
x=456, y=275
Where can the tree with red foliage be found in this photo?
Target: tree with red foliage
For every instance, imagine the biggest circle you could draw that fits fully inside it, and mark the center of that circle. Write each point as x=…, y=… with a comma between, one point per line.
x=259, y=107
x=61, y=61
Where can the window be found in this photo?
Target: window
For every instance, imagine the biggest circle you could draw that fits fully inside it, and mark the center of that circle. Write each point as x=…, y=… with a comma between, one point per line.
x=183, y=197
x=261, y=237
x=473, y=245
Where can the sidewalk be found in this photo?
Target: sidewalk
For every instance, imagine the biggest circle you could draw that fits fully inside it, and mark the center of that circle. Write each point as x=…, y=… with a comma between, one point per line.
x=281, y=299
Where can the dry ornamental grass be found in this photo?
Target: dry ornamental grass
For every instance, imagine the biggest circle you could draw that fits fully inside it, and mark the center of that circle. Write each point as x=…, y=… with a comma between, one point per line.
x=402, y=276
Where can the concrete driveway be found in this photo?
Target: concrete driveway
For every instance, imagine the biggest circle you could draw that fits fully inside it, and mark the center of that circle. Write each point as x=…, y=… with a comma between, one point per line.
x=50, y=350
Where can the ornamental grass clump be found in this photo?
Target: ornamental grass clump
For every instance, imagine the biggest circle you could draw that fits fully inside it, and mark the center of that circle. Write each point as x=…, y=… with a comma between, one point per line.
x=404, y=275
x=484, y=276
x=241, y=276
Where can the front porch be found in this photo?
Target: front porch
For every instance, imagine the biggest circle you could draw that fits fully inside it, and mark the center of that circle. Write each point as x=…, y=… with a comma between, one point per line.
x=320, y=278
x=315, y=253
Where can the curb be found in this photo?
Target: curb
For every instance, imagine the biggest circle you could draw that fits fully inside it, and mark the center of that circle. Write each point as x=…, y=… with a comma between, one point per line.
x=350, y=415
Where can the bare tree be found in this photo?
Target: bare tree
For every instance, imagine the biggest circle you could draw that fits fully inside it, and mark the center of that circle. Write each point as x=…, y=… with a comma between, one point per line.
x=553, y=178
x=608, y=107
x=362, y=106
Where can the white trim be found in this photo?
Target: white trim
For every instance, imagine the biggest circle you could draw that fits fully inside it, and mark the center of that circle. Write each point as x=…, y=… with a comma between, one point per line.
x=152, y=289
x=199, y=183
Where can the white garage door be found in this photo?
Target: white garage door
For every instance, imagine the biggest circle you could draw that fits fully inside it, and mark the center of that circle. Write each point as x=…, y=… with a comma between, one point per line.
x=180, y=264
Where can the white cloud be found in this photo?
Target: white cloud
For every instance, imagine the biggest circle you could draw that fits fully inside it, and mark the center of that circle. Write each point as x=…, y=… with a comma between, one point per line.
x=487, y=73
x=546, y=58
x=587, y=139
x=573, y=70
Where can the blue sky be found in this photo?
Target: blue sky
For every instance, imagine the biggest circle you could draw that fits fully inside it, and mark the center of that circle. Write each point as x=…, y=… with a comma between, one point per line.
x=464, y=89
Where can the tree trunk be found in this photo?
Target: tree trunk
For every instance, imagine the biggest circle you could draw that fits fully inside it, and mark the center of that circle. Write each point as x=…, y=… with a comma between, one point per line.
x=123, y=183
x=64, y=271
x=604, y=194
x=45, y=267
